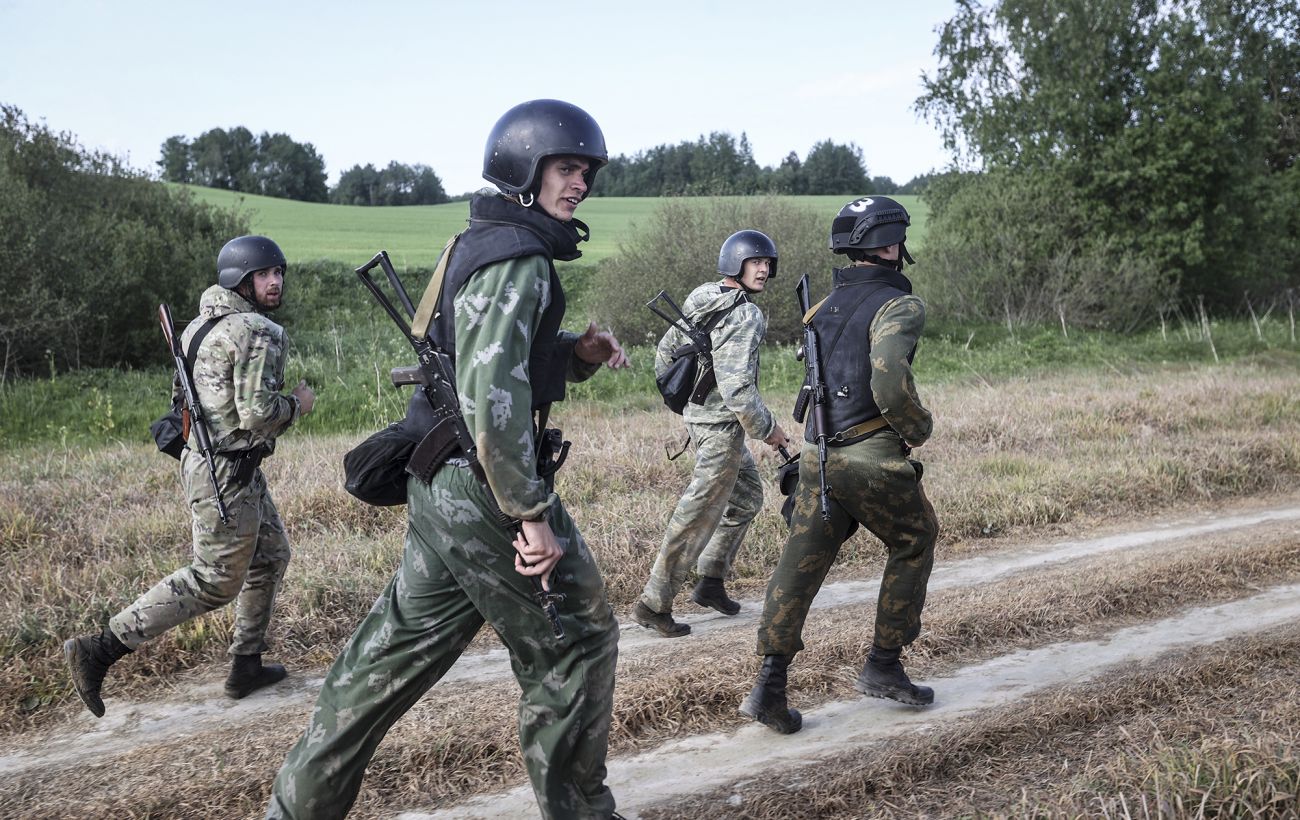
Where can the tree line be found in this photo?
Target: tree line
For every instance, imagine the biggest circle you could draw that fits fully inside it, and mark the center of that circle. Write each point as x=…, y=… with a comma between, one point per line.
x=277, y=165
x=1121, y=159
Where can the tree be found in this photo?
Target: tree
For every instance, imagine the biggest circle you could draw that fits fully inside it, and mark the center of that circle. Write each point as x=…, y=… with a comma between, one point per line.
x=834, y=169
x=175, y=164
x=1167, y=120
x=289, y=170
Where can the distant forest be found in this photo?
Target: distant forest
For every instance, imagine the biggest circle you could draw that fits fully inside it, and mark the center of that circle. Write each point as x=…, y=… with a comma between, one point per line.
x=716, y=165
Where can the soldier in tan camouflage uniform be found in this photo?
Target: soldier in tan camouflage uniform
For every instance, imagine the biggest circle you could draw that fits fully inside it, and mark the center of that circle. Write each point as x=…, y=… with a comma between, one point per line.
x=868, y=329
x=238, y=371
x=725, y=492
x=502, y=304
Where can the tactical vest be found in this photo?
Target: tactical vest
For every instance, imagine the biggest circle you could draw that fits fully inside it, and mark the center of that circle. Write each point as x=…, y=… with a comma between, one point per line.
x=843, y=325
x=500, y=230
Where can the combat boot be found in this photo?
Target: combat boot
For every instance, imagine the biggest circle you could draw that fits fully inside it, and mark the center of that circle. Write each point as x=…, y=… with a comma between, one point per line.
x=710, y=592
x=247, y=674
x=883, y=677
x=88, y=660
x=766, y=702
x=661, y=622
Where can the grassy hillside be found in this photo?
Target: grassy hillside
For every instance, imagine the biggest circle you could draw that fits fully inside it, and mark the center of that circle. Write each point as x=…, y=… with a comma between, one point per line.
x=414, y=234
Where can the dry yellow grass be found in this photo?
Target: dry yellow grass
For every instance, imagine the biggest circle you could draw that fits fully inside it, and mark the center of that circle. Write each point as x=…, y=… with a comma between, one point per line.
x=83, y=532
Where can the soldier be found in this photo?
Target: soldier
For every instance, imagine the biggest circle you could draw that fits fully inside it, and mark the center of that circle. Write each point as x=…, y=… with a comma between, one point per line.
x=502, y=305
x=725, y=492
x=238, y=369
x=868, y=329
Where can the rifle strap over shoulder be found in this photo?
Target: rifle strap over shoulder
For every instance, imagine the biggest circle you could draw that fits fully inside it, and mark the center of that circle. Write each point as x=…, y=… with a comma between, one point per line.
x=199, y=336
x=428, y=307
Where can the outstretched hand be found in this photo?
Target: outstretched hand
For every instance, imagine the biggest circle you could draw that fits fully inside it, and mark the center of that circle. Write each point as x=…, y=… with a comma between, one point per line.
x=600, y=347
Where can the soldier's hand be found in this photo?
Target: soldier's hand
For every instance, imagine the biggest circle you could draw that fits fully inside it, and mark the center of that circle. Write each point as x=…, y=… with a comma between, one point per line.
x=600, y=347
x=537, y=550
x=306, y=397
x=778, y=439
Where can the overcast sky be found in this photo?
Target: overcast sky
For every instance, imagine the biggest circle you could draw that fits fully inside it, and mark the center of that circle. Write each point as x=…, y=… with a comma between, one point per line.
x=423, y=82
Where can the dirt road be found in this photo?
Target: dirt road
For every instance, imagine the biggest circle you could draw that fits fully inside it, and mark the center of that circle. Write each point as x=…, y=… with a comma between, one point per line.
x=653, y=772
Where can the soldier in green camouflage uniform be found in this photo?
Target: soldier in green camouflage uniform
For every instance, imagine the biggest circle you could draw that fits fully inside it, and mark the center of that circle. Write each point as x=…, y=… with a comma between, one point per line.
x=725, y=492
x=868, y=329
x=460, y=567
x=238, y=370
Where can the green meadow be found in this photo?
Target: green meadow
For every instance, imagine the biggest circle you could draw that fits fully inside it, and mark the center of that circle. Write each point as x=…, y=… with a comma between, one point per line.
x=414, y=234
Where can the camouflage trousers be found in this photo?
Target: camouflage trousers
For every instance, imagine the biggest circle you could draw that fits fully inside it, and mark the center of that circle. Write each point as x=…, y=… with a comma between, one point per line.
x=873, y=483
x=242, y=561
x=457, y=572
x=711, y=518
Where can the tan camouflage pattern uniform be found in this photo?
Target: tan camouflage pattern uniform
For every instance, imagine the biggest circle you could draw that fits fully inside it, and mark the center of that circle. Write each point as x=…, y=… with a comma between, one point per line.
x=239, y=372
x=458, y=571
x=872, y=482
x=725, y=492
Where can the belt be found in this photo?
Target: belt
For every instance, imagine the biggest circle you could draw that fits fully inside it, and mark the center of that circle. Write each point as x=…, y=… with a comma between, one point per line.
x=860, y=430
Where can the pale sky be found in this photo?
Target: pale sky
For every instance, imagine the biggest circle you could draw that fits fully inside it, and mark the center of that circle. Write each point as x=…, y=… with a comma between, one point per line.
x=423, y=82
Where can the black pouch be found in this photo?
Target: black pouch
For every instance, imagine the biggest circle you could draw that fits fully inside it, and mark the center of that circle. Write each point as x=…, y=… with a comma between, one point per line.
x=168, y=431
x=375, y=470
x=787, y=479
x=678, y=382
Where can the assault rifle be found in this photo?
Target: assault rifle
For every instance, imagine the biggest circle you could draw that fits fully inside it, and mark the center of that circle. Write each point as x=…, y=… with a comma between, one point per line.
x=450, y=434
x=192, y=415
x=813, y=393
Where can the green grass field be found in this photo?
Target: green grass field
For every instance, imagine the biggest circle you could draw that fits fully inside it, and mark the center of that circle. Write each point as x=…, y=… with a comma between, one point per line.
x=413, y=235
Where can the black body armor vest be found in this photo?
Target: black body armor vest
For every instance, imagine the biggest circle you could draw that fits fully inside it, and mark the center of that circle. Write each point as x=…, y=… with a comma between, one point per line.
x=843, y=325
x=501, y=230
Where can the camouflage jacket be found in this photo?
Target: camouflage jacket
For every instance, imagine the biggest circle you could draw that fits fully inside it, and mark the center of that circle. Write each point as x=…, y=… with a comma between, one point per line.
x=239, y=373
x=894, y=334
x=498, y=312
x=736, y=341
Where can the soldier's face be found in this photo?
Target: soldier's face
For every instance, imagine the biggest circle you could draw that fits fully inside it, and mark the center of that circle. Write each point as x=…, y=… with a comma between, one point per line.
x=754, y=273
x=268, y=287
x=563, y=185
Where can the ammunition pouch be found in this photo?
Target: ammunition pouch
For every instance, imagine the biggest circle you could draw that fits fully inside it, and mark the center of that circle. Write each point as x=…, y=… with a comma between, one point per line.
x=246, y=464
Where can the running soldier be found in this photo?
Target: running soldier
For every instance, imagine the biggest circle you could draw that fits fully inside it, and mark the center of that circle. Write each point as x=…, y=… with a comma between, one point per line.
x=238, y=369
x=868, y=329
x=725, y=492
x=500, y=316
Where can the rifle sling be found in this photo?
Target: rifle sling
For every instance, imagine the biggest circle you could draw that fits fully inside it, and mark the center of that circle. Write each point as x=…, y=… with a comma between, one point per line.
x=190, y=356
x=427, y=310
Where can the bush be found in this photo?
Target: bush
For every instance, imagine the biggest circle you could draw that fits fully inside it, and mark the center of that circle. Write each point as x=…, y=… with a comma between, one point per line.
x=1014, y=246
x=678, y=251
x=88, y=251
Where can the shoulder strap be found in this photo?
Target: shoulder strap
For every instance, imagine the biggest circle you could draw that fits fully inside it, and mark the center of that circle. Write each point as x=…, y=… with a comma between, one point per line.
x=716, y=318
x=199, y=336
x=424, y=313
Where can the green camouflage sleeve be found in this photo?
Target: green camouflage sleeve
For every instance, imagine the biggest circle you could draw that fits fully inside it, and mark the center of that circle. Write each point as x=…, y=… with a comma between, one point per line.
x=735, y=361
x=894, y=334
x=497, y=312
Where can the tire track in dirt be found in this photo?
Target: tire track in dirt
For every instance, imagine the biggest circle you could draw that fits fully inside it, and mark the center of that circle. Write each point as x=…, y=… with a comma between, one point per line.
x=197, y=708
x=704, y=762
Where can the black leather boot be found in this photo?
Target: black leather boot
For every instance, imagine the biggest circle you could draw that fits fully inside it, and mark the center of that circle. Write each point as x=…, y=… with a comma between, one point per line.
x=88, y=660
x=661, y=622
x=766, y=701
x=883, y=677
x=247, y=674
x=710, y=592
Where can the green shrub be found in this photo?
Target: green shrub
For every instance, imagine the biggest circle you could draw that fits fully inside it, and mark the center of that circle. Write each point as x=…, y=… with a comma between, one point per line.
x=678, y=250
x=89, y=249
x=1015, y=246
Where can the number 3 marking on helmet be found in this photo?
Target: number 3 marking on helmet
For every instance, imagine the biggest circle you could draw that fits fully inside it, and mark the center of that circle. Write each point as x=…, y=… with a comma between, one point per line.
x=861, y=204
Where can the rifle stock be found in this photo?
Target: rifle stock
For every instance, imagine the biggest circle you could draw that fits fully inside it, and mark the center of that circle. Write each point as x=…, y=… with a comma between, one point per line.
x=192, y=406
x=813, y=394
x=437, y=377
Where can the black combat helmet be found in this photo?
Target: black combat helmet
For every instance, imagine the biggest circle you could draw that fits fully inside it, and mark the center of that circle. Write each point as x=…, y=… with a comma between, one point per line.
x=871, y=222
x=742, y=245
x=245, y=254
x=536, y=129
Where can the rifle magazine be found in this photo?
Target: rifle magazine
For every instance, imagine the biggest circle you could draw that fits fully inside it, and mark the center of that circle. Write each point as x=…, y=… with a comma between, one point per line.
x=439, y=444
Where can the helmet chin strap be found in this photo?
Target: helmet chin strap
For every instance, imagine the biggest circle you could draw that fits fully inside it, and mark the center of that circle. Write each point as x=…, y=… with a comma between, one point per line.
x=896, y=263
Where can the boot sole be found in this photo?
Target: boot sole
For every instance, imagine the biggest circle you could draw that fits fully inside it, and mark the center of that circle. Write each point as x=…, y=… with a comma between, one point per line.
x=71, y=652
x=899, y=695
x=788, y=726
